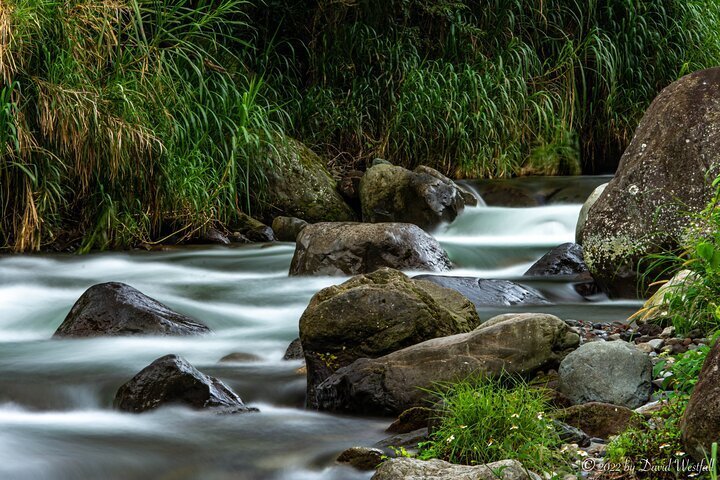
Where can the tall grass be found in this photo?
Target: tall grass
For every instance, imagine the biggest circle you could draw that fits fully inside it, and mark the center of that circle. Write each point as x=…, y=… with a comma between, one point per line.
x=123, y=120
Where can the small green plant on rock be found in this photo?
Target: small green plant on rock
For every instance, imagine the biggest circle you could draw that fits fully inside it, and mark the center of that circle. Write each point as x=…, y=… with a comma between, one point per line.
x=483, y=420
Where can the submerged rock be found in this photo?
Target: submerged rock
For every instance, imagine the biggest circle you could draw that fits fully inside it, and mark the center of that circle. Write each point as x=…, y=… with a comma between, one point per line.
x=665, y=174
x=414, y=469
x=423, y=197
x=172, y=380
x=610, y=372
x=373, y=315
x=400, y=380
x=489, y=292
x=355, y=248
x=118, y=309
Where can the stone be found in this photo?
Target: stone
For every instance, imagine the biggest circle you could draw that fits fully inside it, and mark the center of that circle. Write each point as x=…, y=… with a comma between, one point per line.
x=408, y=440
x=294, y=351
x=214, y=236
x=172, y=380
x=570, y=434
x=355, y=248
x=239, y=357
x=663, y=177
x=400, y=380
x=700, y=425
x=645, y=347
x=362, y=458
x=376, y=314
x=423, y=197
x=414, y=469
x=610, y=372
x=117, y=309
x=489, y=292
x=565, y=259
x=411, y=419
x=299, y=185
x=601, y=420
x=582, y=217
x=253, y=229
x=287, y=228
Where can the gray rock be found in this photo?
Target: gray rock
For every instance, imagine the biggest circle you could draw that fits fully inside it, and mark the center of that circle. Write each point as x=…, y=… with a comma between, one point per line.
x=172, y=380
x=393, y=383
x=408, y=440
x=287, y=228
x=582, y=217
x=423, y=197
x=664, y=175
x=355, y=248
x=490, y=292
x=565, y=259
x=611, y=372
x=294, y=351
x=414, y=469
x=239, y=357
x=373, y=315
x=118, y=309
x=570, y=434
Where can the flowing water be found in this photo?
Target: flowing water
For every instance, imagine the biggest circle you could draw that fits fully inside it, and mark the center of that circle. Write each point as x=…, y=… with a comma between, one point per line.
x=56, y=420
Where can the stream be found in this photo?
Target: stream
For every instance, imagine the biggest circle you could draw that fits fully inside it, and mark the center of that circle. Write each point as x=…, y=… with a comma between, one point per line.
x=56, y=417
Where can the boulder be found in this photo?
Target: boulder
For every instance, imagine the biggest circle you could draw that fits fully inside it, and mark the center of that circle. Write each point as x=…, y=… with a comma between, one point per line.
x=118, y=309
x=408, y=440
x=355, y=248
x=489, y=292
x=294, y=351
x=701, y=423
x=172, y=380
x=253, y=229
x=412, y=419
x=565, y=260
x=582, y=217
x=610, y=372
x=599, y=420
x=240, y=357
x=299, y=185
x=400, y=380
x=362, y=458
x=287, y=228
x=664, y=176
x=414, y=469
x=373, y=315
x=423, y=197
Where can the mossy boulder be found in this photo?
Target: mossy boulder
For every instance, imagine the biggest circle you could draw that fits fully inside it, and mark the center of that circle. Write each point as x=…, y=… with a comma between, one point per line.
x=376, y=314
x=664, y=175
x=423, y=197
x=299, y=185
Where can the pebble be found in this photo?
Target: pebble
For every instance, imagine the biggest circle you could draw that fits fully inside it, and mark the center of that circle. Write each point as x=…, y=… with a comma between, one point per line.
x=656, y=343
x=668, y=332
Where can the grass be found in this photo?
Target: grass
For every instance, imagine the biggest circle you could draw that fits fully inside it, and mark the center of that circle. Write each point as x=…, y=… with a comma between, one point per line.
x=485, y=420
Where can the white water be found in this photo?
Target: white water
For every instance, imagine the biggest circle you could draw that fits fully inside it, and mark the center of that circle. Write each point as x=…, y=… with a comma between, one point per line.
x=56, y=420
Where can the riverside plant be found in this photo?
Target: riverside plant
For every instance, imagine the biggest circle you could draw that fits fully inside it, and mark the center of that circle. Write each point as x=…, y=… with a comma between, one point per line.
x=485, y=420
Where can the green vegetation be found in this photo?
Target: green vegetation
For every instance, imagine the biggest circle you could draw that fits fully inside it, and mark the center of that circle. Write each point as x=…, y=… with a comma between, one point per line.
x=123, y=122
x=483, y=420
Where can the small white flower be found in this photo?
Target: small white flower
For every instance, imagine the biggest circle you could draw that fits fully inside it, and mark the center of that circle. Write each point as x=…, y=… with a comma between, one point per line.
x=450, y=438
x=514, y=427
x=515, y=415
x=679, y=453
x=463, y=426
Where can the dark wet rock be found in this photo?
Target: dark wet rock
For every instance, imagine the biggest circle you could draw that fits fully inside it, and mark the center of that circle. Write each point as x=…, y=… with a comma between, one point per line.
x=565, y=260
x=172, y=380
x=423, y=197
x=373, y=315
x=349, y=187
x=503, y=193
x=237, y=237
x=287, y=228
x=355, y=248
x=411, y=419
x=362, y=458
x=596, y=419
x=239, y=357
x=254, y=229
x=414, y=469
x=408, y=440
x=299, y=185
x=400, y=380
x=701, y=423
x=664, y=175
x=214, y=236
x=118, y=309
x=611, y=372
x=489, y=292
x=294, y=351
x=570, y=434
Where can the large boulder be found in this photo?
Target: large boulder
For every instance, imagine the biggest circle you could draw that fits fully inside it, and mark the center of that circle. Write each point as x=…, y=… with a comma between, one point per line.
x=664, y=176
x=424, y=197
x=355, y=248
x=299, y=185
x=414, y=469
x=609, y=372
x=373, y=315
x=391, y=384
x=118, y=309
x=489, y=292
x=701, y=423
x=172, y=380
